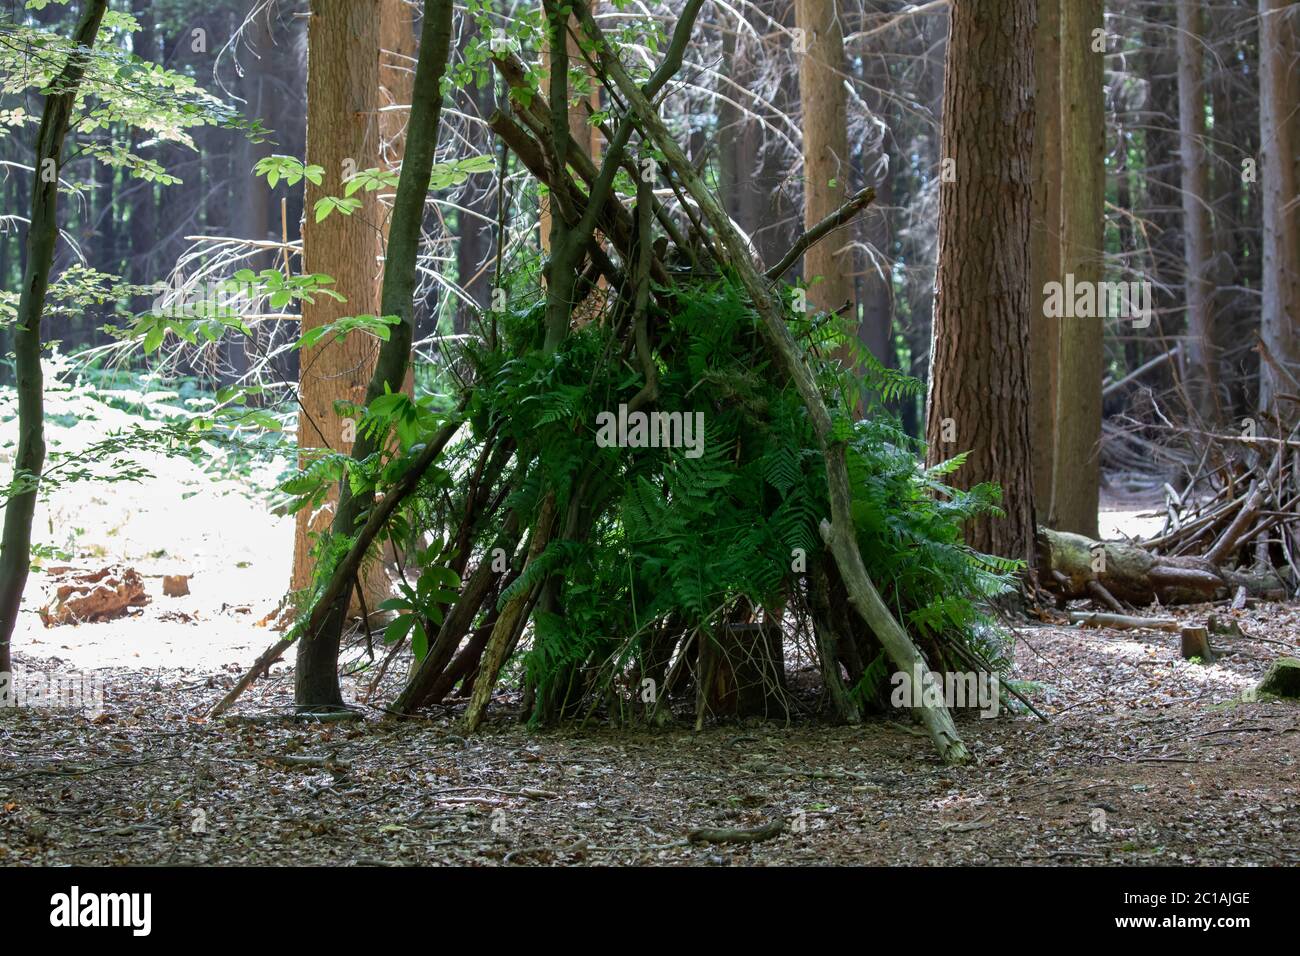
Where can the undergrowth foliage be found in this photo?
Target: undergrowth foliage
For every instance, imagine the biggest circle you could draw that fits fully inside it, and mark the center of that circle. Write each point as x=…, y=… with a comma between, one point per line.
x=649, y=539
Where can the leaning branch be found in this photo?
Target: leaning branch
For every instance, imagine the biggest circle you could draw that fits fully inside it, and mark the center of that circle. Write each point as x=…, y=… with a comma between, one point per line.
x=818, y=232
x=347, y=569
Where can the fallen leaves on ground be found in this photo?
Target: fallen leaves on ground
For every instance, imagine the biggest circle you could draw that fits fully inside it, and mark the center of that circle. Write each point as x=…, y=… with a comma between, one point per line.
x=1147, y=759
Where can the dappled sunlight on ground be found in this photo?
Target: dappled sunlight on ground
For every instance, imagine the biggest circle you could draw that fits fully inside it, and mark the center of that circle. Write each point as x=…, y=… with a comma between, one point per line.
x=187, y=518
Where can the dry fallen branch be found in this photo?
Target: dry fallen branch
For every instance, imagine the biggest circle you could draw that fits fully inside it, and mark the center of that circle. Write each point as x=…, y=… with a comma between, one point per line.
x=754, y=835
x=1123, y=622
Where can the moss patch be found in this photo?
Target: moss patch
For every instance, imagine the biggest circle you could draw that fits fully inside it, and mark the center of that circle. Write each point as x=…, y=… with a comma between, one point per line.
x=1281, y=680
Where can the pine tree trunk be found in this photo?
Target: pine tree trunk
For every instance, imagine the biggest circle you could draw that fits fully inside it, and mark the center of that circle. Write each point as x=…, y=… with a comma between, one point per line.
x=1045, y=247
x=1226, y=199
x=1279, y=177
x=876, y=331
x=1162, y=202
x=342, y=137
x=316, y=682
x=474, y=235
x=1200, y=374
x=730, y=132
x=920, y=304
x=105, y=223
x=1075, y=473
x=826, y=165
x=979, y=369
x=259, y=213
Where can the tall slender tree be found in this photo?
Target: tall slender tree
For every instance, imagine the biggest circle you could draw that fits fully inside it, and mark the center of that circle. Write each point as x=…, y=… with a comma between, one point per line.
x=1200, y=367
x=343, y=52
x=316, y=679
x=1045, y=247
x=826, y=164
x=42, y=235
x=1279, y=113
x=1075, y=460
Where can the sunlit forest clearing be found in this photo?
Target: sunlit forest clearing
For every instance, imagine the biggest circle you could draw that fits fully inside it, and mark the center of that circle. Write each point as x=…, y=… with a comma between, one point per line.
x=827, y=431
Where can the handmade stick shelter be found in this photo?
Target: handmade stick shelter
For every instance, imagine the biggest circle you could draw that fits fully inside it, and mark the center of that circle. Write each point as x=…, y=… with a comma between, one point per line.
x=739, y=506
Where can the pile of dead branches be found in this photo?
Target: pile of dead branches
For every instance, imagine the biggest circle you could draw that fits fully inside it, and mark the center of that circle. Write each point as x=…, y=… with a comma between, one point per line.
x=1233, y=530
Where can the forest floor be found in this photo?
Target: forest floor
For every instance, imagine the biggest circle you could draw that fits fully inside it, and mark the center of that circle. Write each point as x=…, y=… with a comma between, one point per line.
x=1147, y=758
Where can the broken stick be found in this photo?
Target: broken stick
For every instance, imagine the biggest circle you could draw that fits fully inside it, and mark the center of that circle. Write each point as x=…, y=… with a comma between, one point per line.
x=723, y=835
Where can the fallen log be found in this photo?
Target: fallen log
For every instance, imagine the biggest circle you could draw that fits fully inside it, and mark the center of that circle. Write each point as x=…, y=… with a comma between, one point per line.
x=727, y=835
x=1123, y=622
x=1071, y=563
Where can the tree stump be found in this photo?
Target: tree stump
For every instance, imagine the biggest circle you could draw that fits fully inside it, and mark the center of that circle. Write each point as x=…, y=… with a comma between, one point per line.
x=1196, y=644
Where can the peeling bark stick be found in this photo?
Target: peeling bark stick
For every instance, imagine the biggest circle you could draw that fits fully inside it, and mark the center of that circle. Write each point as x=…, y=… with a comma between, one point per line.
x=260, y=667
x=839, y=532
x=727, y=835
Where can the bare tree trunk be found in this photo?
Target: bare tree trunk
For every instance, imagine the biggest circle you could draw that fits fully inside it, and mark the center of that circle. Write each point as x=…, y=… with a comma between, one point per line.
x=1045, y=247
x=826, y=164
x=474, y=239
x=979, y=367
x=1162, y=206
x=920, y=300
x=1227, y=194
x=105, y=217
x=1279, y=113
x=1201, y=366
x=263, y=102
x=396, y=78
x=316, y=681
x=876, y=297
x=1075, y=474
x=342, y=138
x=730, y=132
